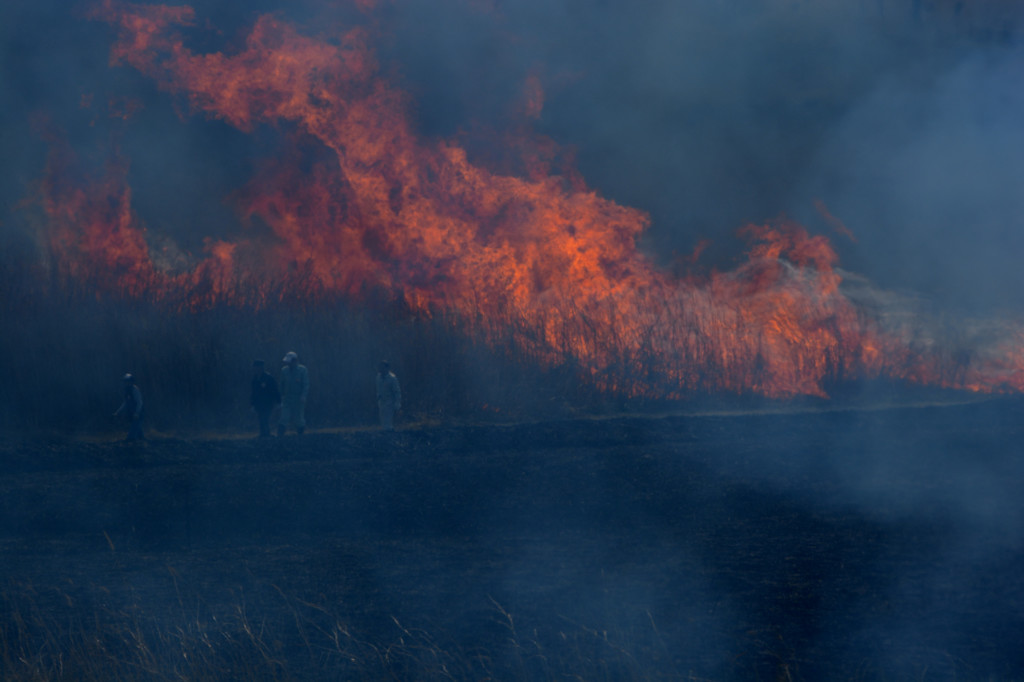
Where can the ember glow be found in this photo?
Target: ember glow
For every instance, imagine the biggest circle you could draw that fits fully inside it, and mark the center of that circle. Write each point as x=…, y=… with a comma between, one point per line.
x=536, y=256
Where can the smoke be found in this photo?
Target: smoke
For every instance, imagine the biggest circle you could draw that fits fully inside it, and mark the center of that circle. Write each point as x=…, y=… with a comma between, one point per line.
x=925, y=169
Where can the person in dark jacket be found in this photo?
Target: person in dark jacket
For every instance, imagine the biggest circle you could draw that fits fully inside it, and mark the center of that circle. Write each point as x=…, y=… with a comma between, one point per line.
x=131, y=409
x=264, y=397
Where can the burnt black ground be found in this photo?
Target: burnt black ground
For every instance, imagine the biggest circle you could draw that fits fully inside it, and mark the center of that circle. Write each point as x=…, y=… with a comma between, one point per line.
x=845, y=544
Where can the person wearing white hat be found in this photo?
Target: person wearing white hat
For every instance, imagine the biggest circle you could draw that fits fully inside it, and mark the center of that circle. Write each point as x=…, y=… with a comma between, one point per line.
x=294, y=389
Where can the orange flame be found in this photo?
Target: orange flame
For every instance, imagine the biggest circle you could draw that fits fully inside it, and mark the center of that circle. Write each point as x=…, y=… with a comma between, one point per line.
x=98, y=239
x=542, y=256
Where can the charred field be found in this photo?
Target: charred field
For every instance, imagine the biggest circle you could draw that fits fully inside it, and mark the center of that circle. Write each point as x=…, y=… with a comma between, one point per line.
x=803, y=544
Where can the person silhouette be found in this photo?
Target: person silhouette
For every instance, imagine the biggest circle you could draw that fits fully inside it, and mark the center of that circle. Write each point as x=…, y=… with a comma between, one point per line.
x=389, y=396
x=264, y=396
x=131, y=408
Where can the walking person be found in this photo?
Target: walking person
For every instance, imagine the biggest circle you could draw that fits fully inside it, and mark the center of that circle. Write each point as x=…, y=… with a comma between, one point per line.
x=131, y=409
x=264, y=396
x=294, y=389
x=389, y=396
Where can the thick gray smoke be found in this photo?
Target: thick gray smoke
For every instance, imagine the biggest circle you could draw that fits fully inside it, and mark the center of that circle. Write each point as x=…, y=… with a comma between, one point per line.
x=927, y=169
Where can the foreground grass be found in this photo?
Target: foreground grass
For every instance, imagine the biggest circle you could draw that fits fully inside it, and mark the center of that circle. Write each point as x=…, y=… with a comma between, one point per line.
x=39, y=642
x=736, y=548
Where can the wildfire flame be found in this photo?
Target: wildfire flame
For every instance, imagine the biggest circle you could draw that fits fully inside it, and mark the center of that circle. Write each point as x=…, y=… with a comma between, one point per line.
x=543, y=254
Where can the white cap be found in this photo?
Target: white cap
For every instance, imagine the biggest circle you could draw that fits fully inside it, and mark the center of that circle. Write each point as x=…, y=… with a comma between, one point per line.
x=289, y=356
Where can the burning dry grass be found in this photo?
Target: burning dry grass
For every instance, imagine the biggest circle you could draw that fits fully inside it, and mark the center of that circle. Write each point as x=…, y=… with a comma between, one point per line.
x=65, y=349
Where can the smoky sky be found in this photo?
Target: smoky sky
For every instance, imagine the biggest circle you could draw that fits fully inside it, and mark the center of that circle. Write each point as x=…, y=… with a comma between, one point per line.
x=908, y=123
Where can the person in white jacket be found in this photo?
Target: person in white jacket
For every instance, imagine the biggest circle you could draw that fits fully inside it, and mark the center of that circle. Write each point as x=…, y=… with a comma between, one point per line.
x=389, y=396
x=294, y=389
